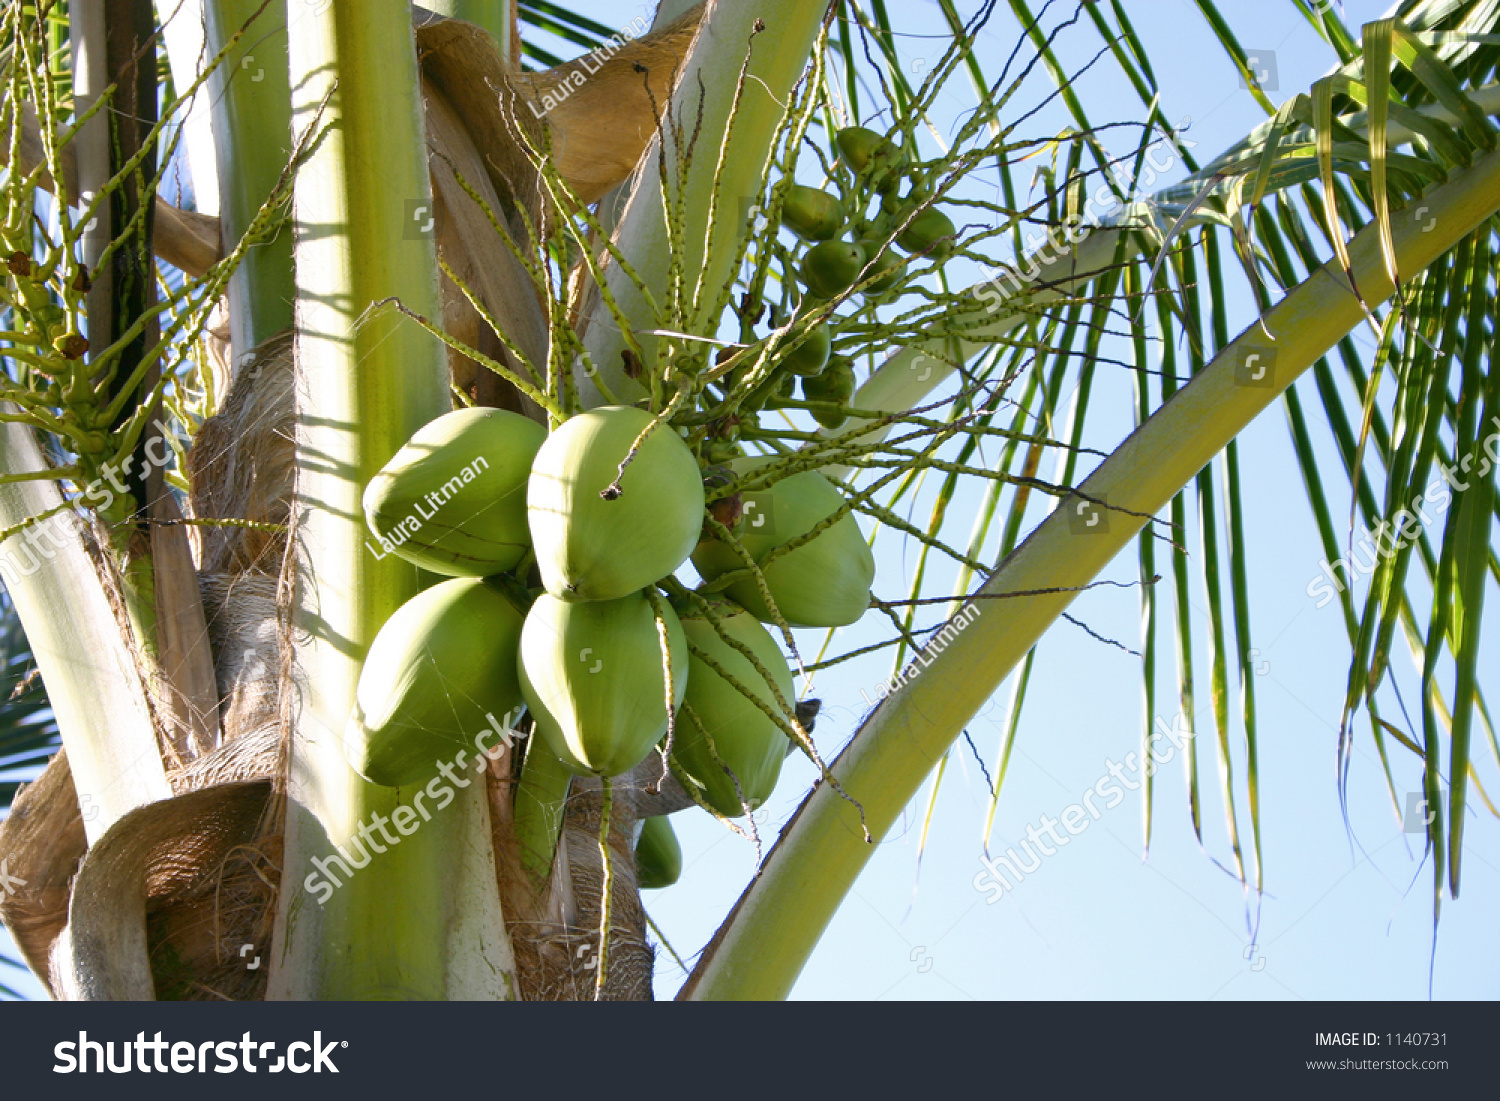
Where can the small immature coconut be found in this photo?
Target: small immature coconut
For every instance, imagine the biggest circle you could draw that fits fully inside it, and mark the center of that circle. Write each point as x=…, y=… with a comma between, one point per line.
x=441, y=670
x=658, y=856
x=592, y=676
x=811, y=353
x=886, y=270
x=453, y=499
x=930, y=232
x=861, y=145
x=719, y=727
x=822, y=583
x=829, y=269
x=593, y=546
x=721, y=451
x=836, y=386
x=812, y=214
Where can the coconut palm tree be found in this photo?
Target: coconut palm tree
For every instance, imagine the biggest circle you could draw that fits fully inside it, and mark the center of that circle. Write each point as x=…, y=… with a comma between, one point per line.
x=394, y=217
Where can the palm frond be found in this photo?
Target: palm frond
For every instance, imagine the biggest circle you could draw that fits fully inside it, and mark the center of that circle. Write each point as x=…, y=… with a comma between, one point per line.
x=28, y=732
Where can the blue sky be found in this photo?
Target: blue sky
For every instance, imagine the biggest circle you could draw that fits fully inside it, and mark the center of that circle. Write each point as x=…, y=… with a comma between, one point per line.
x=1347, y=910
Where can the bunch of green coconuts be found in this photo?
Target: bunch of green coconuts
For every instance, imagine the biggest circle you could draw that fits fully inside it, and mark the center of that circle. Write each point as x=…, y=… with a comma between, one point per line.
x=560, y=550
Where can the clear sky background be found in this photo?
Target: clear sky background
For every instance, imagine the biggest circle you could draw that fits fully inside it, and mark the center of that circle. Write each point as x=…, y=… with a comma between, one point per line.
x=1347, y=911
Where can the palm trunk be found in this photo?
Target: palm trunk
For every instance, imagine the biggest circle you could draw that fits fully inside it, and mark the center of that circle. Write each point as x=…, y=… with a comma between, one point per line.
x=422, y=918
x=252, y=131
x=91, y=673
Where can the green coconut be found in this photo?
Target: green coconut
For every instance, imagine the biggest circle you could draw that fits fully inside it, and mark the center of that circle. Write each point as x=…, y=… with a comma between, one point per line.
x=440, y=671
x=811, y=354
x=836, y=386
x=719, y=727
x=829, y=269
x=757, y=398
x=592, y=677
x=886, y=270
x=930, y=232
x=538, y=806
x=812, y=214
x=822, y=583
x=861, y=145
x=658, y=856
x=592, y=548
x=453, y=500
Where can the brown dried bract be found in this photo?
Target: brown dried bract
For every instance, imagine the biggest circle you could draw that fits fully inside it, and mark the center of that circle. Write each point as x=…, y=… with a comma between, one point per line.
x=71, y=346
x=727, y=510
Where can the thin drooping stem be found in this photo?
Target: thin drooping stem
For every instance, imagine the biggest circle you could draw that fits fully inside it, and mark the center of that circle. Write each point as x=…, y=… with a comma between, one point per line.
x=607, y=882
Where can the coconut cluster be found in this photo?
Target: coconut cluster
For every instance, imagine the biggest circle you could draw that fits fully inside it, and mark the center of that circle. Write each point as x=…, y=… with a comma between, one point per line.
x=848, y=248
x=560, y=551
